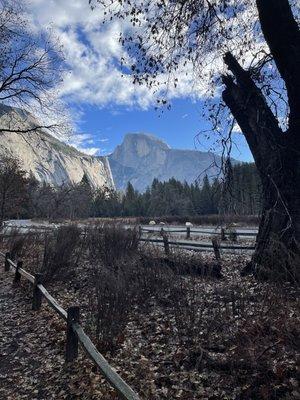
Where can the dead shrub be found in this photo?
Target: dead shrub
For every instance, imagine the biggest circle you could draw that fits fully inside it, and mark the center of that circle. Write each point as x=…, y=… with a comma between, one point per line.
x=62, y=251
x=108, y=243
x=150, y=277
x=109, y=307
x=127, y=277
x=15, y=243
x=123, y=277
x=130, y=284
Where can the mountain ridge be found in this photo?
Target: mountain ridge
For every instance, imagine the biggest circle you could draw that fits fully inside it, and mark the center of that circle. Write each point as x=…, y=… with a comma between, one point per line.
x=142, y=157
x=139, y=159
x=47, y=158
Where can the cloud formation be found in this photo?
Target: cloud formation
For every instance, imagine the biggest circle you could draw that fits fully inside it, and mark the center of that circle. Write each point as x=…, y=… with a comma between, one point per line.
x=92, y=53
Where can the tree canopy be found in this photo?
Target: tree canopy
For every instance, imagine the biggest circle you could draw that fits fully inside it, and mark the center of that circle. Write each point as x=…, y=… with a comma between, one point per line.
x=31, y=67
x=250, y=49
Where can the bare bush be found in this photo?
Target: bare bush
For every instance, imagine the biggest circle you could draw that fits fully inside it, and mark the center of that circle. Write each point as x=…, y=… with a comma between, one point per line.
x=149, y=278
x=109, y=305
x=15, y=243
x=62, y=250
x=123, y=277
x=110, y=242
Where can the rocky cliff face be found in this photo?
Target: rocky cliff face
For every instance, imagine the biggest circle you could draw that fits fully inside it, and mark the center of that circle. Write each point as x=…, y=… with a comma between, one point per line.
x=47, y=158
x=141, y=158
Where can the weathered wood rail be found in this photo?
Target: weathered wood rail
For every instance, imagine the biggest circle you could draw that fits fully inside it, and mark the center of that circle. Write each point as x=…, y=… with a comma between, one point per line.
x=215, y=246
x=74, y=331
x=194, y=246
x=188, y=231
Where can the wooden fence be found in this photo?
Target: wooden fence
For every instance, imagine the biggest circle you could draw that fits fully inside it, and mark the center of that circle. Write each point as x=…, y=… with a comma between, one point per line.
x=188, y=231
x=166, y=242
x=195, y=246
x=74, y=331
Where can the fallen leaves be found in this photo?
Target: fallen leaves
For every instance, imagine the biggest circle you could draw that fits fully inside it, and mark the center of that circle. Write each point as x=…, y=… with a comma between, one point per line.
x=152, y=357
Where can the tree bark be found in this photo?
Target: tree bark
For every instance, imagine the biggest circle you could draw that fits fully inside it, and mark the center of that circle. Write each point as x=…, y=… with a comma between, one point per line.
x=282, y=35
x=277, y=161
x=276, y=153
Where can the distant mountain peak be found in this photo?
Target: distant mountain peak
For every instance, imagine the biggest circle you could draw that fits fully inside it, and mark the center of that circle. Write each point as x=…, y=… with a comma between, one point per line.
x=142, y=157
x=135, y=137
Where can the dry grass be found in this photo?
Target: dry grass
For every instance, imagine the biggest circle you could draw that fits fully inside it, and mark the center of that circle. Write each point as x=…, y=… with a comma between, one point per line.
x=176, y=333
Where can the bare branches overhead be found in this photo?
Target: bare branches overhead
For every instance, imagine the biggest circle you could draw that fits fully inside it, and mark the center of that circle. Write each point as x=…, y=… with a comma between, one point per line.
x=30, y=66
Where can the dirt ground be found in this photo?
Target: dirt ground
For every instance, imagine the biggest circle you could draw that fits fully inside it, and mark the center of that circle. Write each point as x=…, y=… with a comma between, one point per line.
x=241, y=343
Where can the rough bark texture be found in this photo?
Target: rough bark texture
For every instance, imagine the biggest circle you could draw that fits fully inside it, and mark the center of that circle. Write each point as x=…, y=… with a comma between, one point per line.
x=276, y=153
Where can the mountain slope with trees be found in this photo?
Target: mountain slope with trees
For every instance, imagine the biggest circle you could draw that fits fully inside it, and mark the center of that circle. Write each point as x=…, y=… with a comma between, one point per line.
x=22, y=196
x=45, y=157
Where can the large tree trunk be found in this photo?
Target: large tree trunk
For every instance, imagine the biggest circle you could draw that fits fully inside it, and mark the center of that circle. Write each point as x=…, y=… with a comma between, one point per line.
x=276, y=153
x=277, y=245
x=277, y=160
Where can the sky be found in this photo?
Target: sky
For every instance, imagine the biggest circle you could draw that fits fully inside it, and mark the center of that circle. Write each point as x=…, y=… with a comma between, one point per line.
x=105, y=105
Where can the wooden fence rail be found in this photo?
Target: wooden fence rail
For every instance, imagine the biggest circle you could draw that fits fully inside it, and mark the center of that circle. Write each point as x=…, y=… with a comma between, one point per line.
x=74, y=332
x=188, y=230
x=194, y=245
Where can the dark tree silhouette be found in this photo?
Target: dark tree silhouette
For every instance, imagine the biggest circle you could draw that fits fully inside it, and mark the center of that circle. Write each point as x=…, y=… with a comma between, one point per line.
x=260, y=45
x=13, y=188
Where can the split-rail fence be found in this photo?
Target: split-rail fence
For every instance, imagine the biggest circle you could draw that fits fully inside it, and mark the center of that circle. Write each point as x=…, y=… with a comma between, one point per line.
x=74, y=331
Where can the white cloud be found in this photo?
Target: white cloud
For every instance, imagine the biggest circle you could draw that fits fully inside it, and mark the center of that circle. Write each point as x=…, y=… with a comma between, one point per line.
x=82, y=142
x=91, y=151
x=92, y=53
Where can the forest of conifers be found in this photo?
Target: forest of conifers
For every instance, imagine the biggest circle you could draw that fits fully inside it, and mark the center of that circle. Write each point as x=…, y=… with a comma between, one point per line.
x=239, y=193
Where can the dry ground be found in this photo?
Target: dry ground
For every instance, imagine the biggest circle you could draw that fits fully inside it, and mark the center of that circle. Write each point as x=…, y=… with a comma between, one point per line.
x=245, y=346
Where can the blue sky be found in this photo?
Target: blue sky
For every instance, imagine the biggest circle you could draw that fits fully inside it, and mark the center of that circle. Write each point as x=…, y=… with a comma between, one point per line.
x=103, y=104
x=178, y=127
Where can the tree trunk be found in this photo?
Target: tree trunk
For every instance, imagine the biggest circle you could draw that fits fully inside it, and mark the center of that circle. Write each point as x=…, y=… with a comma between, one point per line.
x=276, y=153
x=278, y=162
x=277, y=244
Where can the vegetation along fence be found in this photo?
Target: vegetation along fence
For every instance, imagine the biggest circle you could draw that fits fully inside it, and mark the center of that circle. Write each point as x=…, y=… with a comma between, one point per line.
x=193, y=245
x=166, y=242
x=74, y=332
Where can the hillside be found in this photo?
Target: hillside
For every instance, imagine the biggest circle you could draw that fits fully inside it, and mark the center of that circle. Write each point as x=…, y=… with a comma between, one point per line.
x=47, y=158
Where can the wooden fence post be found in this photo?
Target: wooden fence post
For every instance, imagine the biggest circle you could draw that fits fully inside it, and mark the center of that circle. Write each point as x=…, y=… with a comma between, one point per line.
x=72, y=340
x=216, y=248
x=6, y=264
x=223, y=235
x=140, y=231
x=188, y=232
x=166, y=244
x=17, y=277
x=234, y=236
x=37, y=295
